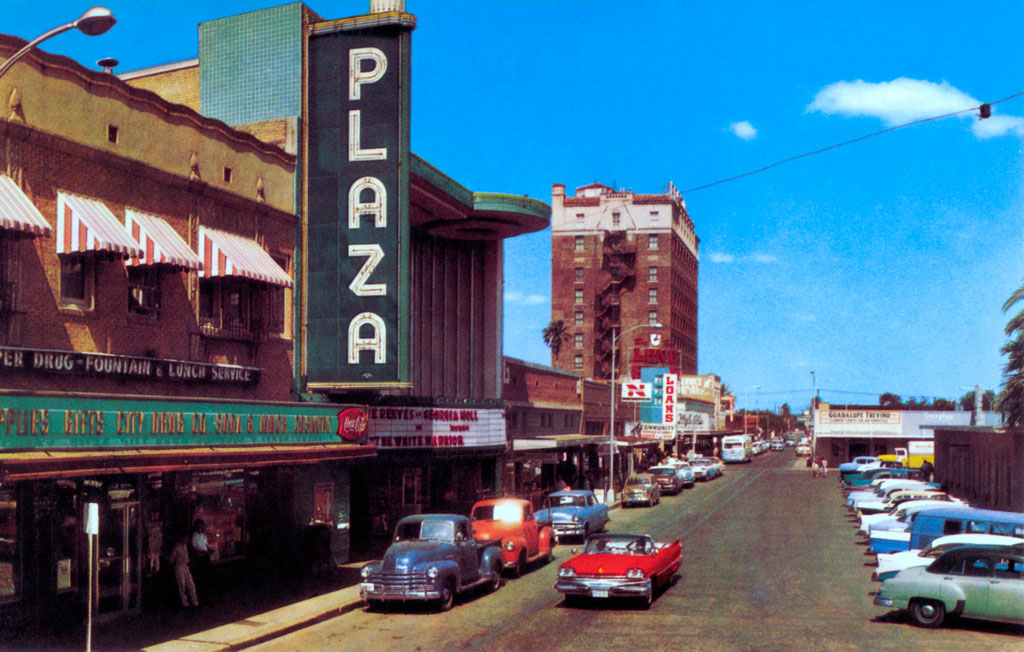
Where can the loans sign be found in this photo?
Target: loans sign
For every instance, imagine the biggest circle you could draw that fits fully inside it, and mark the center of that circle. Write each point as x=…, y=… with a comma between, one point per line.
x=358, y=217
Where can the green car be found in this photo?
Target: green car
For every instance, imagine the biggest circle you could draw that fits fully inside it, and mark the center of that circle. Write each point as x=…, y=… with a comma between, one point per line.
x=983, y=583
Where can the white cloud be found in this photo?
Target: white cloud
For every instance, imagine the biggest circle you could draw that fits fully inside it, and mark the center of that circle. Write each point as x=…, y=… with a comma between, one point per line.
x=721, y=258
x=904, y=100
x=743, y=130
x=525, y=299
x=765, y=258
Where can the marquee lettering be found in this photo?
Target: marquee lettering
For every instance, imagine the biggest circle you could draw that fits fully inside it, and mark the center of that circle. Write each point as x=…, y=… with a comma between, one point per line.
x=378, y=207
x=359, y=286
x=374, y=342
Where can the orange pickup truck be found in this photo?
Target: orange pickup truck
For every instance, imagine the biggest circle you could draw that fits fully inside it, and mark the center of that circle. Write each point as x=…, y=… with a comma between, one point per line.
x=524, y=540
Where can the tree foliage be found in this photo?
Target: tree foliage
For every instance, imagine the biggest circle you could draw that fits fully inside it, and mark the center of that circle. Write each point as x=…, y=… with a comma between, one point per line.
x=1011, y=399
x=554, y=334
x=988, y=401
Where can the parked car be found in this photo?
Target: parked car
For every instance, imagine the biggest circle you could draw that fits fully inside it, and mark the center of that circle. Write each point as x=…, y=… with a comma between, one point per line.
x=669, y=478
x=574, y=513
x=985, y=583
x=777, y=444
x=620, y=565
x=524, y=539
x=934, y=523
x=893, y=535
x=857, y=465
x=433, y=557
x=803, y=449
x=704, y=466
x=641, y=489
x=685, y=471
x=891, y=563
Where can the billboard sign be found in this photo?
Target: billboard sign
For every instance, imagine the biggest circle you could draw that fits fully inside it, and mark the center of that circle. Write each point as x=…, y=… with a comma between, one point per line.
x=633, y=390
x=668, y=401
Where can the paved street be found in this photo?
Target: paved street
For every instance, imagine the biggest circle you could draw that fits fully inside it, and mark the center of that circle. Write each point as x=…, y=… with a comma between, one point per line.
x=771, y=562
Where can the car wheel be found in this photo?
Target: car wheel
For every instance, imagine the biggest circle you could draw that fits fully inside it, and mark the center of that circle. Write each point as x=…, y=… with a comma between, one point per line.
x=517, y=569
x=926, y=613
x=447, y=595
x=374, y=605
x=496, y=582
x=647, y=599
x=586, y=531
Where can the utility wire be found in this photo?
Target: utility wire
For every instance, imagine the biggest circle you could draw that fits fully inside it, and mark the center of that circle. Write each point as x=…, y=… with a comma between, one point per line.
x=849, y=142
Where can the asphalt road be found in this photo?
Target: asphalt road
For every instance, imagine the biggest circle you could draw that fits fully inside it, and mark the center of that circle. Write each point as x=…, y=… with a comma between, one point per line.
x=771, y=561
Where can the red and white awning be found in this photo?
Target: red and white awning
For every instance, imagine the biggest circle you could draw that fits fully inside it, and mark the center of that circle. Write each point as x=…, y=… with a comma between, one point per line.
x=17, y=212
x=227, y=254
x=161, y=244
x=85, y=224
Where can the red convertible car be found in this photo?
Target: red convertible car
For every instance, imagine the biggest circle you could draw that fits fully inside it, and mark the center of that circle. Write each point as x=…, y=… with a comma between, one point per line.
x=620, y=565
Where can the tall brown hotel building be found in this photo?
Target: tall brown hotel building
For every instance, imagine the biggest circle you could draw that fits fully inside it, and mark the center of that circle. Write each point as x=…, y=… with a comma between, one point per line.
x=621, y=260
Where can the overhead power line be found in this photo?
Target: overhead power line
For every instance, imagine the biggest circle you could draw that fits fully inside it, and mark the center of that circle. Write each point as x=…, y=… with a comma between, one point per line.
x=984, y=110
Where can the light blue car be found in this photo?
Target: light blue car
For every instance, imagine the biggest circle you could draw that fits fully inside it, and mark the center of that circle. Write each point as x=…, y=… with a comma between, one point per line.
x=574, y=513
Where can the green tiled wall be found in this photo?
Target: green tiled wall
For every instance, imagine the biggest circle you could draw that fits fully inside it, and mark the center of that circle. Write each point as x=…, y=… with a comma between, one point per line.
x=250, y=65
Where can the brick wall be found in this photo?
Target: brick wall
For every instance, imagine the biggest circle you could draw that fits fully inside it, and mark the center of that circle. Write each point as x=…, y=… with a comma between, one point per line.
x=178, y=85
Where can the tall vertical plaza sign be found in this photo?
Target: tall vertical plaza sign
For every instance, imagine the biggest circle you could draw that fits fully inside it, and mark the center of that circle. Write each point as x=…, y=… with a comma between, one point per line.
x=357, y=230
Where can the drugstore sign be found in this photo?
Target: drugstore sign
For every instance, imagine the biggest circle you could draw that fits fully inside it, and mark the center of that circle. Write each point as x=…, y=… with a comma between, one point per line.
x=72, y=422
x=357, y=255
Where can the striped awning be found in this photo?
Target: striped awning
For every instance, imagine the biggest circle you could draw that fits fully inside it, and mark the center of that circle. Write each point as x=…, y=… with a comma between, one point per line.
x=161, y=244
x=227, y=254
x=17, y=212
x=85, y=224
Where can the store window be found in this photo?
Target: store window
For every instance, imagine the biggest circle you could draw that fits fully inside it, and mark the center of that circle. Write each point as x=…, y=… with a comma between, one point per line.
x=10, y=576
x=219, y=500
x=412, y=487
x=66, y=535
x=76, y=281
x=144, y=291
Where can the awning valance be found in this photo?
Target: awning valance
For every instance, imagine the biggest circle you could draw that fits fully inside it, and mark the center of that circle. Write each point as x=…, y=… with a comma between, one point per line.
x=161, y=244
x=227, y=254
x=85, y=224
x=17, y=212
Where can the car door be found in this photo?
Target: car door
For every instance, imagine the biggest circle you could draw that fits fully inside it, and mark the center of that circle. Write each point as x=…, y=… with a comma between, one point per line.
x=530, y=531
x=467, y=549
x=1006, y=589
x=969, y=580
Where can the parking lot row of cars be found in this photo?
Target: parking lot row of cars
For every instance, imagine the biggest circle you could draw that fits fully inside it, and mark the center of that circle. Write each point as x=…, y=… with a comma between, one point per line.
x=936, y=555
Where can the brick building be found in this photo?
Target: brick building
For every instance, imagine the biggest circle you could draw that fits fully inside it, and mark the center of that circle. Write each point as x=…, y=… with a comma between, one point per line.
x=146, y=346
x=619, y=260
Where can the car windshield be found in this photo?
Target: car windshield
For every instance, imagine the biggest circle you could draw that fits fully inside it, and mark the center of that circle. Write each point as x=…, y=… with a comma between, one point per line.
x=639, y=480
x=616, y=544
x=666, y=471
x=571, y=501
x=511, y=512
x=428, y=530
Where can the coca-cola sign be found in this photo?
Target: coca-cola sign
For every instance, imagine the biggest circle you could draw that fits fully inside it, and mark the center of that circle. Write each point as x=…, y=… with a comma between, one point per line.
x=352, y=424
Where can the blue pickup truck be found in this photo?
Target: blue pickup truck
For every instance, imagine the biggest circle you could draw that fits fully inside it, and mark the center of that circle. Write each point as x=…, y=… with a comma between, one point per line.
x=433, y=557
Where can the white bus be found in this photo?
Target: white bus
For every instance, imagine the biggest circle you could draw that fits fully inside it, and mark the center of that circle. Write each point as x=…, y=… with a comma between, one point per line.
x=737, y=448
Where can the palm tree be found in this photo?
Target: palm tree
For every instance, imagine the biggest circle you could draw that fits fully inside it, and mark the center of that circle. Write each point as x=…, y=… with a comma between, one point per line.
x=1011, y=398
x=554, y=334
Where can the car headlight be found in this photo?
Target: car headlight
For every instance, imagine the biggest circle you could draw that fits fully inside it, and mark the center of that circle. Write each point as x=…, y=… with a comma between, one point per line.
x=635, y=574
x=365, y=571
x=575, y=518
x=566, y=571
x=510, y=545
x=432, y=572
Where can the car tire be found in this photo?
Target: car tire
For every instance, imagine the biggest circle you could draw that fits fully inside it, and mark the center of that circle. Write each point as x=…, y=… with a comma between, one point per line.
x=447, y=600
x=517, y=569
x=375, y=605
x=927, y=613
x=586, y=531
x=496, y=582
x=647, y=599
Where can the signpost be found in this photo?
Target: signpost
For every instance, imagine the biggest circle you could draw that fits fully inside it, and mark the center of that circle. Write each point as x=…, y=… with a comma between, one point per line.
x=92, y=528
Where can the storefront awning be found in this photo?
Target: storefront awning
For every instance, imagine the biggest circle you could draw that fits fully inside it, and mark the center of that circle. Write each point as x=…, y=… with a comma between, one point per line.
x=85, y=224
x=33, y=465
x=552, y=442
x=161, y=244
x=17, y=212
x=227, y=254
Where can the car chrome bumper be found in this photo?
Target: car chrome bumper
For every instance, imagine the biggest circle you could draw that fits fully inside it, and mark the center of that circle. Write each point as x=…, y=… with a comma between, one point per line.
x=603, y=588
x=371, y=591
x=567, y=529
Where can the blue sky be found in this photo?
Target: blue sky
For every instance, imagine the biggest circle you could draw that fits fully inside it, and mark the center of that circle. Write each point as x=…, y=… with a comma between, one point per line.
x=881, y=266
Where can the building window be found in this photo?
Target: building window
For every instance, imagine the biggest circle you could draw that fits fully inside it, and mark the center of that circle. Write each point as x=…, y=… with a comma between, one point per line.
x=579, y=216
x=652, y=295
x=616, y=219
x=111, y=134
x=577, y=318
x=578, y=296
x=579, y=243
x=218, y=498
x=654, y=218
x=10, y=567
x=578, y=340
x=227, y=175
x=579, y=274
x=652, y=317
x=76, y=281
x=652, y=275
x=144, y=291
x=227, y=308
x=577, y=362
x=652, y=241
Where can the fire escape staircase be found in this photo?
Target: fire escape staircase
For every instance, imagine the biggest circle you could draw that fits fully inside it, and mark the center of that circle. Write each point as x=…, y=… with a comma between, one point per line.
x=619, y=261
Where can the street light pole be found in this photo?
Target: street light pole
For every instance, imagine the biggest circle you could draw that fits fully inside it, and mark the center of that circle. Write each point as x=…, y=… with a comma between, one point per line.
x=93, y=22
x=611, y=423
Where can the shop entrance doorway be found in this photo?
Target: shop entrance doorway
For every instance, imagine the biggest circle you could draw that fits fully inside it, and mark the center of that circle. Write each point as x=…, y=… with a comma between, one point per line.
x=118, y=564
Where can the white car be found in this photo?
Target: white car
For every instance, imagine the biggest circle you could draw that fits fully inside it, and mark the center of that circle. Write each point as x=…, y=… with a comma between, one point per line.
x=891, y=563
x=903, y=512
x=803, y=449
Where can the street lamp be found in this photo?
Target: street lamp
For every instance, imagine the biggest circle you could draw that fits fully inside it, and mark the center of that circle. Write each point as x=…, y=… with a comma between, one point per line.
x=93, y=22
x=746, y=409
x=611, y=425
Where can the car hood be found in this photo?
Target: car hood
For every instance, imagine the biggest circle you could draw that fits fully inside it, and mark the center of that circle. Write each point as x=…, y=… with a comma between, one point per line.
x=405, y=555
x=493, y=530
x=610, y=564
x=559, y=513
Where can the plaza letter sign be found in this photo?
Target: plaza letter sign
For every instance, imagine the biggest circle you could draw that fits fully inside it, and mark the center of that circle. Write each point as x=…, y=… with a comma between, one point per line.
x=357, y=253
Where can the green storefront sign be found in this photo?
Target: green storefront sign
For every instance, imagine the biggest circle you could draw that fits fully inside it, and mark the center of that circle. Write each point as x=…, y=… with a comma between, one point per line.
x=80, y=422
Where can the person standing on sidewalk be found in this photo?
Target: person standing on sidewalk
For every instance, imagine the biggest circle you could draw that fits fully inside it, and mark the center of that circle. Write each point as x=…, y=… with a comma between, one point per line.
x=824, y=467
x=182, y=574
x=814, y=468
